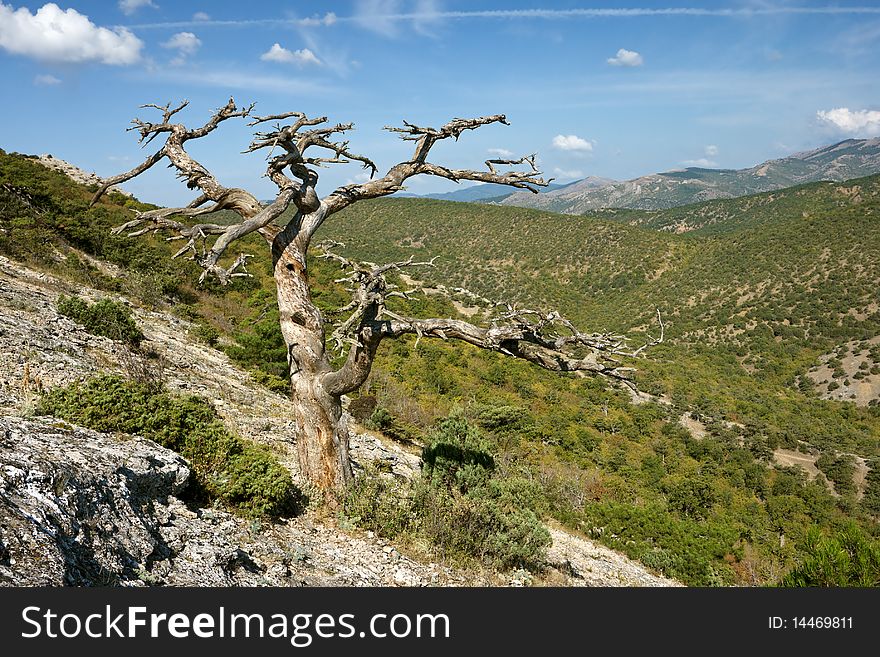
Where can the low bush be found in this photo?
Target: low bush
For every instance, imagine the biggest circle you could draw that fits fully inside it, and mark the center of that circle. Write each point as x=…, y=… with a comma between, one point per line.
x=106, y=317
x=461, y=505
x=846, y=558
x=840, y=469
x=241, y=475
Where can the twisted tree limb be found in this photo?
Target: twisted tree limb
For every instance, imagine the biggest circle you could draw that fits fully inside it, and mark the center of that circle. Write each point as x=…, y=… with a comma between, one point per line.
x=546, y=339
x=425, y=138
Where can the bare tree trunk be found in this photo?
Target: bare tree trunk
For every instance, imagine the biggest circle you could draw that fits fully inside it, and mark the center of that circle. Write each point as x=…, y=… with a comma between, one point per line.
x=322, y=434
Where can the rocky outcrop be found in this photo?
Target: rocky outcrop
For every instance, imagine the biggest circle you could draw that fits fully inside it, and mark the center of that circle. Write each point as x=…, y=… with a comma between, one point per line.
x=83, y=508
x=76, y=174
x=79, y=507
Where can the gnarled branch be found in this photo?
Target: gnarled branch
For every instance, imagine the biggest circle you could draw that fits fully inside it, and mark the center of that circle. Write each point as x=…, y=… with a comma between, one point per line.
x=294, y=145
x=291, y=166
x=425, y=138
x=369, y=288
x=546, y=339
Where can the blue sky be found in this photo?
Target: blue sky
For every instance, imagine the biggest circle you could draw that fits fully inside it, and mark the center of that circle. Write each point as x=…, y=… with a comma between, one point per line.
x=607, y=89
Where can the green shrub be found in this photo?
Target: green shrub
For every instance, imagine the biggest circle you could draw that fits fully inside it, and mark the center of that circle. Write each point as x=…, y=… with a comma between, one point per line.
x=205, y=332
x=270, y=381
x=106, y=317
x=381, y=504
x=691, y=497
x=847, y=558
x=243, y=476
x=840, y=469
x=383, y=420
x=461, y=505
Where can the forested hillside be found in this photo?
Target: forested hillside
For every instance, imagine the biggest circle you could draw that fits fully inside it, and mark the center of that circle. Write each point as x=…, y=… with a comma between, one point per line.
x=693, y=480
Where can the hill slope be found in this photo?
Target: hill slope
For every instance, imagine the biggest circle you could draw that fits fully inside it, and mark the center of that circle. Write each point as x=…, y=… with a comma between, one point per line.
x=692, y=482
x=42, y=216
x=848, y=159
x=759, y=303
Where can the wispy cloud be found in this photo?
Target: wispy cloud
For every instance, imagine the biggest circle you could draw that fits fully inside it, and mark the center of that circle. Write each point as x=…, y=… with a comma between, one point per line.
x=706, y=162
x=244, y=81
x=636, y=12
x=852, y=122
x=280, y=54
x=857, y=41
x=128, y=7
x=358, y=178
x=385, y=17
x=568, y=174
x=202, y=19
x=380, y=15
x=500, y=152
x=53, y=34
x=572, y=143
x=46, y=80
x=327, y=19
x=626, y=57
x=702, y=162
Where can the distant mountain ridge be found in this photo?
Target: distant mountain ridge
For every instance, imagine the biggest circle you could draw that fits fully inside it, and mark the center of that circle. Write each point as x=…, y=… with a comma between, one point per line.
x=486, y=191
x=852, y=158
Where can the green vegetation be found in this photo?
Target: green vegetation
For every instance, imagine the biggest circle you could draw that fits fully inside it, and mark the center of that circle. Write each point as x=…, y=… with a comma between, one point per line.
x=43, y=213
x=840, y=469
x=848, y=558
x=749, y=306
x=238, y=474
x=463, y=506
x=751, y=300
x=105, y=317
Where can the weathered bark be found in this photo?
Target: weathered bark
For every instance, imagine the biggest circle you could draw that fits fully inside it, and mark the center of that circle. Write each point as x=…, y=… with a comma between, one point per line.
x=545, y=339
x=321, y=436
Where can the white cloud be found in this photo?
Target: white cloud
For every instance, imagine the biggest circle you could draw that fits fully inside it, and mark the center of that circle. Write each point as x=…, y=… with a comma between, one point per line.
x=328, y=19
x=128, y=7
x=500, y=152
x=46, y=80
x=568, y=174
x=703, y=162
x=626, y=57
x=277, y=53
x=854, y=122
x=186, y=43
x=201, y=16
x=55, y=35
x=571, y=143
x=358, y=178
x=711, y=150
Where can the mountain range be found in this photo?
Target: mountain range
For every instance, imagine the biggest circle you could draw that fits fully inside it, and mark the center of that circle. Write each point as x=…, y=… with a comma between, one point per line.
x=848, y=159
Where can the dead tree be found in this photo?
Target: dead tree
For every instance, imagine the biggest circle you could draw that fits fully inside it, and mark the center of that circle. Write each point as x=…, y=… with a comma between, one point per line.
x=297, y=146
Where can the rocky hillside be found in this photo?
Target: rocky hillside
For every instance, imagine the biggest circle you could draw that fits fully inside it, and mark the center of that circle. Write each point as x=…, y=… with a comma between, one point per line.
x=79, y=507
x=75, y=173
x=848, y=159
